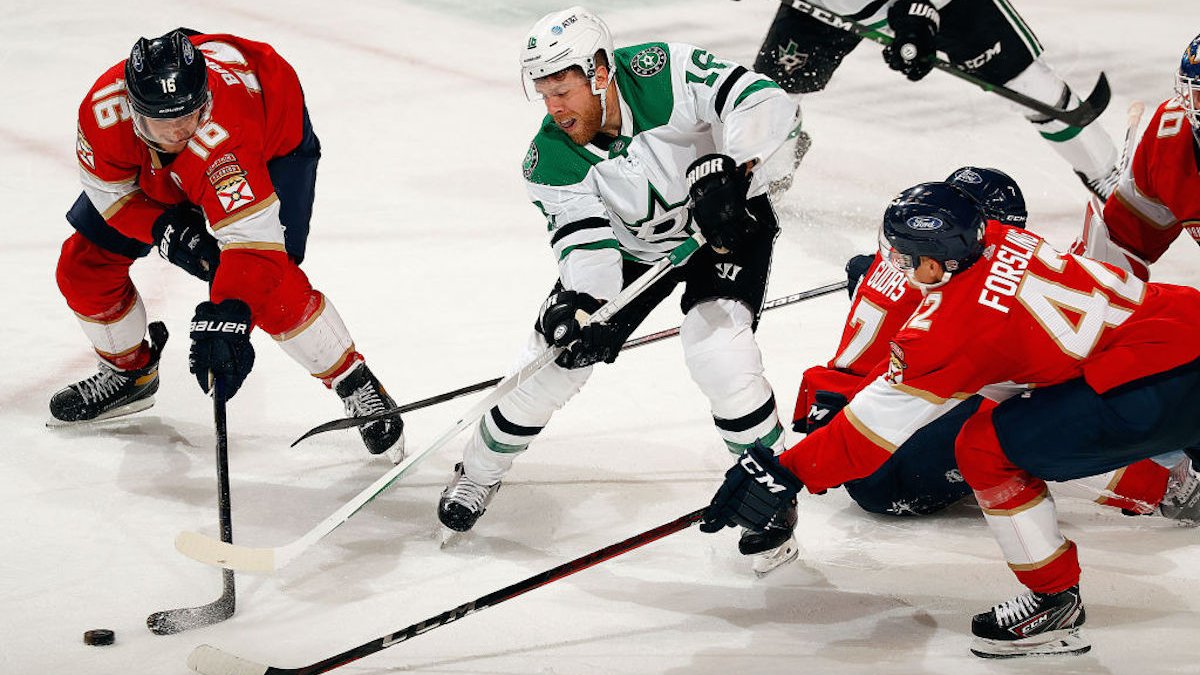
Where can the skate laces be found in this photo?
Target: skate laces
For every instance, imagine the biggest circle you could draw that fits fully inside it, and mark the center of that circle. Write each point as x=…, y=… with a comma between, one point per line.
x=469, y=493
x=1182, y=485
x=364, y=400
x=1017, y=609
x=103, y=384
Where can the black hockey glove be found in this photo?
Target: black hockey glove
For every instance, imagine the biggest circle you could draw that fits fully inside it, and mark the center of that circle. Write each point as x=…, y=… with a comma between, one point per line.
x=856, y=269
x=561, y=322
x=915, y=24
x=754, y=490
x=825, y=406
x=184, y=241
x=221, y=345
x=718, y=190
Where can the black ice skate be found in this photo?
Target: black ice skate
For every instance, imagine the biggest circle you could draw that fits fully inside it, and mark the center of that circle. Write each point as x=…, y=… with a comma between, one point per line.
x=773, y=546
x=110, y=392
x=1102, y=186
x=464, y=501
x=1032, y=624
x=362, y=394
x=1182, y=499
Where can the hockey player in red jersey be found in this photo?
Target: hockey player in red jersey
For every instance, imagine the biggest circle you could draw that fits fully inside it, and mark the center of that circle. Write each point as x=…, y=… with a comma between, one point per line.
x=1158, y=194
x=1104, y=370
x=922, y=476
x=194, y=128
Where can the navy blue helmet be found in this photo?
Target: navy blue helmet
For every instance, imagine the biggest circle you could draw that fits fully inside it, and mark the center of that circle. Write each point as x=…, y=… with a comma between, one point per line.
x=165, y=77
x=995, y=191
x=1187, y=84
x=935, y=220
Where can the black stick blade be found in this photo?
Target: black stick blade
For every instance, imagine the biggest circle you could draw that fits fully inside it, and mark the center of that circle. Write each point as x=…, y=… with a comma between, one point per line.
x=172, y=621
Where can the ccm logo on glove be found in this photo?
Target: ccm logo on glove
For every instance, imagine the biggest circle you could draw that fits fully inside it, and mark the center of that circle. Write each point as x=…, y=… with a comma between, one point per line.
x=760, y=475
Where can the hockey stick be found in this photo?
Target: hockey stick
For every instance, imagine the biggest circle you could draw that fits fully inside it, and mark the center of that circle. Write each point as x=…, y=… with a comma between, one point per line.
x=351, y=422
x=209, y=660
x=1080, y=116
x=224, y=554
x=171, y=621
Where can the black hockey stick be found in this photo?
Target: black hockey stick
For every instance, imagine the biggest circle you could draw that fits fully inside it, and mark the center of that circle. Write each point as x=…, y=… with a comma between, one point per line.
x=209, y=660
x=171, y=621
x=351, y=422
x=1080, y=116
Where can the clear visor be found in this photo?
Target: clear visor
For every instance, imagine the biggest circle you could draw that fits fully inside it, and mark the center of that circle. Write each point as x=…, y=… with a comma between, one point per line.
x=537, y=91
x=169, y=134
x=901, y=261
x=1188, y=89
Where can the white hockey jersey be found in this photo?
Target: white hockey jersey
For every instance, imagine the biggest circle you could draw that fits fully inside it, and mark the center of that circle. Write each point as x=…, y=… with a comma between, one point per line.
x=678, y=102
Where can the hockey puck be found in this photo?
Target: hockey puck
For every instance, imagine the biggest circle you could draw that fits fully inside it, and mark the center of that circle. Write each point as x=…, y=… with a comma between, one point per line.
x=99, y=637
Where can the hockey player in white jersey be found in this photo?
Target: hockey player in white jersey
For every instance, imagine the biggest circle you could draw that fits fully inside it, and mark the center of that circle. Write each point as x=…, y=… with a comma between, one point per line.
x=627, y=130
x=986, y=38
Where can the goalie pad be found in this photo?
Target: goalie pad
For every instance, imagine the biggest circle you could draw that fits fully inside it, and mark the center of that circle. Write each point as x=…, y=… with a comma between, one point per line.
x=1096, y=243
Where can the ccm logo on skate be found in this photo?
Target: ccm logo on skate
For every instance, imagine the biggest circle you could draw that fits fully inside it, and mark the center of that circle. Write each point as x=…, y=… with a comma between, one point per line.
x=760, y=476
x=218, y=327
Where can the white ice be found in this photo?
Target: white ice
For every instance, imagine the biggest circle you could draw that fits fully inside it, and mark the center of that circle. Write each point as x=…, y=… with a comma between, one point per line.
x=424, y=239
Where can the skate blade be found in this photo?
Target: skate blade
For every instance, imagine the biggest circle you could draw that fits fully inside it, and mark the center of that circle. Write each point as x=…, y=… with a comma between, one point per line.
x=449, y=538
x=768, y=561
x=120, y=411
x=396, y=453
x=1050, y=644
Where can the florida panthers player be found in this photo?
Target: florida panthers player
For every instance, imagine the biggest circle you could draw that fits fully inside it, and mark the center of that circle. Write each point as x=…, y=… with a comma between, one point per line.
x=1158, y=195
x=984, y=37
x=607, y=170
x=1108, y=368
x=189, y=128
x=922, y=476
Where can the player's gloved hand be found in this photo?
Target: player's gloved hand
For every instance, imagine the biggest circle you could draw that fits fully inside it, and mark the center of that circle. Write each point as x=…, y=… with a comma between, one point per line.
x=221, y=345
x=754, y=490
x=718, y=190
x=561, y=322
x=184, y=241
x=825, y=406
x=915, y=24
x=856, y=269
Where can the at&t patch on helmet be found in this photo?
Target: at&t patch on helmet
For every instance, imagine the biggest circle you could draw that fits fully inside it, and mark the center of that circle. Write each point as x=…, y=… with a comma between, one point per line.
x=648, y=62
x=531, y=160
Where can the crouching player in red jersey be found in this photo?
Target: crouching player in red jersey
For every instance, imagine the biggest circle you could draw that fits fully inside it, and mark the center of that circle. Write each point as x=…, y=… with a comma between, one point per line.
x=922, y=476
x=1104, y=370
x=194, y=128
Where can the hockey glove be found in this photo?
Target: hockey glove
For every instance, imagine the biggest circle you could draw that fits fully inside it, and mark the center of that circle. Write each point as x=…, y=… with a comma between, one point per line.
x=718, y=190
x=915, y=25
x=184, y=241
x=856, y=269
x=755, y=489
x=825, y=406
x=561, y=322
x=221, y=345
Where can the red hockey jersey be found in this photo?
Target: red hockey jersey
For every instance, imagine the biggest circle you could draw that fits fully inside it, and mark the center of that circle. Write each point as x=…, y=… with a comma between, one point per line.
x=1159, y=194
x=1023, y=315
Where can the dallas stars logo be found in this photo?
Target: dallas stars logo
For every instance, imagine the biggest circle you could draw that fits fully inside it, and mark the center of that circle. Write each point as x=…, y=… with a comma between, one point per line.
x=789, y=59
x=648, y=62
x=647, y=229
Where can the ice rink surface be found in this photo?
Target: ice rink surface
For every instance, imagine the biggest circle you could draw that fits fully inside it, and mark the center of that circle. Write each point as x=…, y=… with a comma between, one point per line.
x=425, y=241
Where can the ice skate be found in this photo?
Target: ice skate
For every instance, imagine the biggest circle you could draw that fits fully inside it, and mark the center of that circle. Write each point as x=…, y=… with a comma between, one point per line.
x=362, y=394
x=111, y=392
x=1101, y=186
x=1182, y=499
x=463, y=501
x=1032, y=624
x=775, y=545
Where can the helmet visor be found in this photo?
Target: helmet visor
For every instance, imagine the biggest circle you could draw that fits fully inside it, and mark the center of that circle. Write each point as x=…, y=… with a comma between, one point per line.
x=170, y=134
x=901, y=261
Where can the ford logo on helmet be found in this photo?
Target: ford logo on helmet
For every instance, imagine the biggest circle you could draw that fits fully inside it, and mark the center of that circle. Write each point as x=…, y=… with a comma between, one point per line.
x=924, y=223
x=968, y=176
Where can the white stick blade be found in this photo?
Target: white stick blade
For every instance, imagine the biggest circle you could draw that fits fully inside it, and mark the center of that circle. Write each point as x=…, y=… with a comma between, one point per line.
x=209, y=660
x=221, y=554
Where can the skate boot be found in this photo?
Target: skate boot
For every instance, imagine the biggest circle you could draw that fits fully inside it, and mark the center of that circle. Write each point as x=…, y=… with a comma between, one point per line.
x=774, y=545
x=1032, y=624
x=362, y=394
x=464, y=501
x=1101, y=186
x=1182, y=500
x=111, y=392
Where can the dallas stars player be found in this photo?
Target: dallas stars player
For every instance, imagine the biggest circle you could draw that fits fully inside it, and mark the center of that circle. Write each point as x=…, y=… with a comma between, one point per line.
x=628, y=131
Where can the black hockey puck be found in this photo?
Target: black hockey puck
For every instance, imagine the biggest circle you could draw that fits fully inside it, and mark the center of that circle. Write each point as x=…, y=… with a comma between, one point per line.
x=98, y=637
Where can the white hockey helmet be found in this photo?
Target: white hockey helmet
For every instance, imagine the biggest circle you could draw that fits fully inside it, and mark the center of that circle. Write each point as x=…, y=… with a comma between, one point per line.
x=559, y=40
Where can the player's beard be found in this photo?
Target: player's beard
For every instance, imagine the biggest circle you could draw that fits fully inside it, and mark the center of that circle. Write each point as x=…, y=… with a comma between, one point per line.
x=587, y=125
